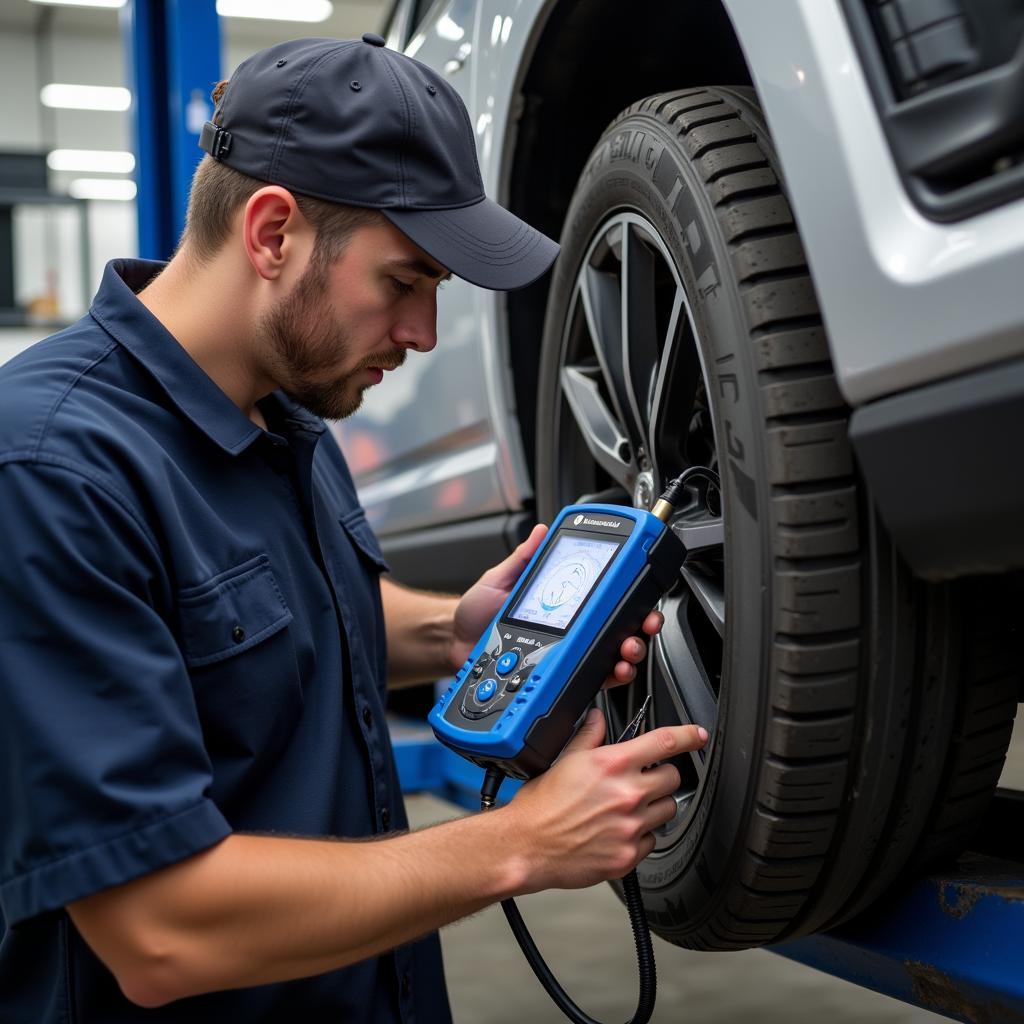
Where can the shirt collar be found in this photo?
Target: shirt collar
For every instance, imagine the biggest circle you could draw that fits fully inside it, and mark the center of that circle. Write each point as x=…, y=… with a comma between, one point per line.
x=297, y=415
x=118, y=310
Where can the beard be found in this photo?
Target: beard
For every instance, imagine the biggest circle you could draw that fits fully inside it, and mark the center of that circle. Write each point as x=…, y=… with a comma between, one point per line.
x=304, y=343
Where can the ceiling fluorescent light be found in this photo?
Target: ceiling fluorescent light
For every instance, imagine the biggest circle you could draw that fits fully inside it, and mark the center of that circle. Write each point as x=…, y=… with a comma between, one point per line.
x=81, y=3
x=276, y=10
x=103, y=161
x=102, y=188
x=85, y=97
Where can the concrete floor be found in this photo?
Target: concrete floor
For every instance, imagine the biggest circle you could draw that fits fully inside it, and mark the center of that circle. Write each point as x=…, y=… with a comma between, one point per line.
x=586, y=939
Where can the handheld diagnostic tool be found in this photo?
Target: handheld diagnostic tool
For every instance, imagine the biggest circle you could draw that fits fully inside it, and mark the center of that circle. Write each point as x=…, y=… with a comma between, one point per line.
x=514, y=703
x=600, y=570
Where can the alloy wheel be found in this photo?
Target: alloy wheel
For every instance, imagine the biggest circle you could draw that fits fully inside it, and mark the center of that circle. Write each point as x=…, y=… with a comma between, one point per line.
x=633, y=413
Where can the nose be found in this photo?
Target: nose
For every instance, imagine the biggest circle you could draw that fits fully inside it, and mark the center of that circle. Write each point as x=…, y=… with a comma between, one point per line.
x=417, y=326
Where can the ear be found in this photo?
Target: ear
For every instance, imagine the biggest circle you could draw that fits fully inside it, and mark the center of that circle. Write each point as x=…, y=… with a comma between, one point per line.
x=273, y=230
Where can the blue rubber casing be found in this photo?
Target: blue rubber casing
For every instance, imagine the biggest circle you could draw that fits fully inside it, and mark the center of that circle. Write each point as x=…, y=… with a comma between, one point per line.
x=522, y=732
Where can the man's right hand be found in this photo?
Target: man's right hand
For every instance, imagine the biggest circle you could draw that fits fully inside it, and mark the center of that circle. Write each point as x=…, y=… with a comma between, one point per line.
x=590, y=817
x=255, y=909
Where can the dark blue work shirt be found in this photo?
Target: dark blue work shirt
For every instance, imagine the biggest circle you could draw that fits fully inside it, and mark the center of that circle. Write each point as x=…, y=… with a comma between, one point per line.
x=191, y=643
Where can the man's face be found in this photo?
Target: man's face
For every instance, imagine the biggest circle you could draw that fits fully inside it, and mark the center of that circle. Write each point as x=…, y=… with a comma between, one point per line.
x=343, y=325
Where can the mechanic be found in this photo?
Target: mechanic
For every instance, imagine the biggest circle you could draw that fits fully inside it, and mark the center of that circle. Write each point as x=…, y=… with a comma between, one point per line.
x=193, y=620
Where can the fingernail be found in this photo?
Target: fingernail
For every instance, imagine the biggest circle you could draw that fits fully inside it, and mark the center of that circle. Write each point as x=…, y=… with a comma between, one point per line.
x=702, y=733
x=593, y=714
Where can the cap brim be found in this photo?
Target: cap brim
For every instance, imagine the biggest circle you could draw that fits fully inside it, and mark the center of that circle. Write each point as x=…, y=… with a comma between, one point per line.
x=483, y=243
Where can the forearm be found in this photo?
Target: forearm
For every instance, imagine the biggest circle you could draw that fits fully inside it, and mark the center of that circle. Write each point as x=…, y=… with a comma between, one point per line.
x=257, y=909
x=419, y=630
x=260, y=909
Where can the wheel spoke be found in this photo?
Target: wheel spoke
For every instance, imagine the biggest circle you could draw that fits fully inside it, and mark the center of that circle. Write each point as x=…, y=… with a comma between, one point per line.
x=674, y=392
x=679, y=662
x=602, y=307
x=708, y=589
x=699, y=536
x=600, y=430
x=639, y=325
x=610, y=496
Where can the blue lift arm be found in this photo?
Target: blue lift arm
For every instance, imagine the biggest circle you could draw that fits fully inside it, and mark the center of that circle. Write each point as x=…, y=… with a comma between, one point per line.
x=952, y=943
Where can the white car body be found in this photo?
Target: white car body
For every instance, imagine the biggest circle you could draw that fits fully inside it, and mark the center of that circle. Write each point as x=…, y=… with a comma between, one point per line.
x=907, y=300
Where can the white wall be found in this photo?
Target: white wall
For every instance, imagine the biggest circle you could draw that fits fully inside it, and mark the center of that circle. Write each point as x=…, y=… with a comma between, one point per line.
x=84, y=59
x=47, y=239
x=19, y=100
x=85, y=47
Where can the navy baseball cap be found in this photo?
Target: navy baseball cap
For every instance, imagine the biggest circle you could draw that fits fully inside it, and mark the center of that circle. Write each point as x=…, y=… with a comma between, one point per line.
x=353, y=122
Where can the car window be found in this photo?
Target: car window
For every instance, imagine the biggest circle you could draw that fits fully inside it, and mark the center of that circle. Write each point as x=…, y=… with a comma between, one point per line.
x=419, y=13
x=448, y=22
x=397, y=23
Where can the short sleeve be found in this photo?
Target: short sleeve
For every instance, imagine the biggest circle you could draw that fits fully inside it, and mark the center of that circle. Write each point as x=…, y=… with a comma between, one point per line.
x=104, y=774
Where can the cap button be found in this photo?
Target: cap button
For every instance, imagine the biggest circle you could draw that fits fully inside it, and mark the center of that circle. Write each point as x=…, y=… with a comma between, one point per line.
x=373, y=39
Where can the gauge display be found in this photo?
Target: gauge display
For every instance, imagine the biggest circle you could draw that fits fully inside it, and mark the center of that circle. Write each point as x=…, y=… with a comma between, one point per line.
x=563, y=580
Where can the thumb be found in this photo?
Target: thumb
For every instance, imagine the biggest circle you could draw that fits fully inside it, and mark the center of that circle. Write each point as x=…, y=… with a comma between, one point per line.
x=505, y=573
x=590, y=734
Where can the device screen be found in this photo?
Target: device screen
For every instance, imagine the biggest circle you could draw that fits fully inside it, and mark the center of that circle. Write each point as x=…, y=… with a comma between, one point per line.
x=563, y=580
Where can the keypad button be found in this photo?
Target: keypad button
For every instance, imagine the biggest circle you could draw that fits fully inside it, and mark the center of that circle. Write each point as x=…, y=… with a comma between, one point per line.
x=486, y=690
x=506, y=663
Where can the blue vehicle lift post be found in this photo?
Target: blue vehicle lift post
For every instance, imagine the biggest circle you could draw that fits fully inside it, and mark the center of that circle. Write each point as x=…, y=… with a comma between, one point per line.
x=173, y=53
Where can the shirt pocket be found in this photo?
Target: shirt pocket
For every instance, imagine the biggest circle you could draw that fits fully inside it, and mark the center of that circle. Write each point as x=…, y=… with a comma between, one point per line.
x=241, y=658
x=363, y=586
x=363, y=538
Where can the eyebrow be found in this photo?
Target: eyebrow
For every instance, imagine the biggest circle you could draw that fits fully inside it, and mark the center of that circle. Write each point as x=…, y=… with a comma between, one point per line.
x=420, y=267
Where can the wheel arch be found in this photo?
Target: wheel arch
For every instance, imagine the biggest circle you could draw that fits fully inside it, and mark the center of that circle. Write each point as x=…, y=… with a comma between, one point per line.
x=566, y=99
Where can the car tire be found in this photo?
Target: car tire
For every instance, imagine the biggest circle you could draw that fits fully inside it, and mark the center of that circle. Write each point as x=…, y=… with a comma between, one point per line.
x=860, y=716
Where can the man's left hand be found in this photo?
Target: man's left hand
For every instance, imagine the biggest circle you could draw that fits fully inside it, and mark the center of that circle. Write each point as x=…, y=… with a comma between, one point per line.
x=481, y=602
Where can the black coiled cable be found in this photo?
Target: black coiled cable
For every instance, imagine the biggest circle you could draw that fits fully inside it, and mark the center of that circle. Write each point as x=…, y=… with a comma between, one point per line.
x=637, y=918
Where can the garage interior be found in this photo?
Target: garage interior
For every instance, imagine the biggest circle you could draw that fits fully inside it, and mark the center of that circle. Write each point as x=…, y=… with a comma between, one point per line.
x=69, y=203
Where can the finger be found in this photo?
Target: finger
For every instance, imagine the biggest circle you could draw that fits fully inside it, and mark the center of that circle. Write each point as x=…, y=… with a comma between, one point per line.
x=659, y=744
x=633, y=649
x=613, y=679
x=624, y=672
x=653, y=623
x=658, y=813
x=505, y=573
x=646, y=845
x=661, y=781
x=590, y=734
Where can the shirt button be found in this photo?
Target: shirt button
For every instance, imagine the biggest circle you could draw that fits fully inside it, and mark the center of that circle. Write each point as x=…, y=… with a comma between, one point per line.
x=238, y=634
x=368, y=717
x=406, y=985
x=385, y=817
